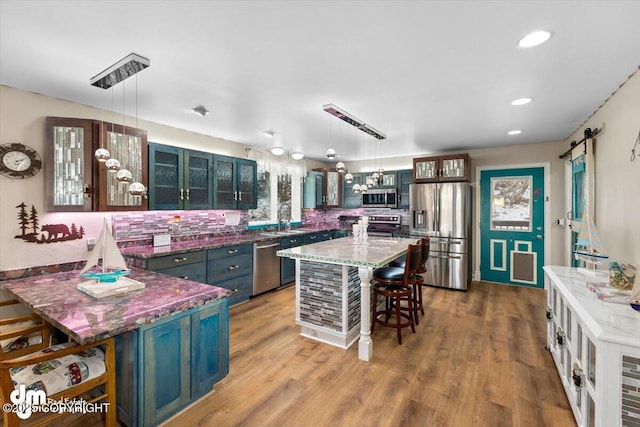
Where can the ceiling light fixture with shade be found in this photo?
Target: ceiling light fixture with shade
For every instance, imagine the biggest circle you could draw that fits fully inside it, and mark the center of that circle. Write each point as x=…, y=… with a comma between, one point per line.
x=268, y=133
x=514, y=132
x=277, y=151
x=296, y=155
x=535, y=38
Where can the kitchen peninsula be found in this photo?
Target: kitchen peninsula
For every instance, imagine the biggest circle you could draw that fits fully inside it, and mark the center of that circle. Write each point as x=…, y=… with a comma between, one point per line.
x=333, y=288
x=172, y=337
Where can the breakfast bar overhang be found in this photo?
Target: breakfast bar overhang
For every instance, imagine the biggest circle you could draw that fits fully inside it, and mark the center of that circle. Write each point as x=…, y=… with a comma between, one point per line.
x=329, y=307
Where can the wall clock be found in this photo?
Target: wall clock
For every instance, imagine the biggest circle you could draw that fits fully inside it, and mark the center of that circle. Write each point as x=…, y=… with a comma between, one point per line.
x=19, y=161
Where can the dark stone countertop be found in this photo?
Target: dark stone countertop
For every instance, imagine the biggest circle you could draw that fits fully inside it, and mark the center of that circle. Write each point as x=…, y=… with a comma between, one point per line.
x=86, y=319
x=149, y=251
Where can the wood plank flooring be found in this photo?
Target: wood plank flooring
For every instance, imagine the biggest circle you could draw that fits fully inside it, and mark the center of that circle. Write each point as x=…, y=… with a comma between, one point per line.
x=477, y=359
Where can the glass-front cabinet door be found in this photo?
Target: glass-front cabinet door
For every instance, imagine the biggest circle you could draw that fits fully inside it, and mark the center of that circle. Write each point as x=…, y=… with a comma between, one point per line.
x=454, y=168
x=246, y=184
x=69, y=154
x=199, y=191
x=76, y=181
x=129, y=146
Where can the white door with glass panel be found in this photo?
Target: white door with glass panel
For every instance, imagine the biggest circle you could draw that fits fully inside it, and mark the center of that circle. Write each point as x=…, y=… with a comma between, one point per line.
x=512, y=226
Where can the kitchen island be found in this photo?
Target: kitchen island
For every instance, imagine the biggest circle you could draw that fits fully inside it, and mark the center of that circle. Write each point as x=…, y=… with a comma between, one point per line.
x=333, y=288
x=172, y=337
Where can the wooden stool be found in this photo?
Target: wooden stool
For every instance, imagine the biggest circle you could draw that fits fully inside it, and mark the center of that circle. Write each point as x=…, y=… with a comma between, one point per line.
x=395, y=285
x=418, y=280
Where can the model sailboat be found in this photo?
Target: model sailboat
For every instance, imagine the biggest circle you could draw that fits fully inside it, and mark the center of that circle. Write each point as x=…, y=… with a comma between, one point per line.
x=110, y=280
x=589, y=248
x=113, y=264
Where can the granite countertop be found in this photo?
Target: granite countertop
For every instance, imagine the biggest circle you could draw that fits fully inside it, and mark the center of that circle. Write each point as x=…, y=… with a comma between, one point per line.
x=377, y=253
x=86, y=319
x=149, y=251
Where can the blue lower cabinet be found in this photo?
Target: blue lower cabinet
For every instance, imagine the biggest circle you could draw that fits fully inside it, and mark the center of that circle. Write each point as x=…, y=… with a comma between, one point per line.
x=288, y=265
x=231, y=267
x=169, y=364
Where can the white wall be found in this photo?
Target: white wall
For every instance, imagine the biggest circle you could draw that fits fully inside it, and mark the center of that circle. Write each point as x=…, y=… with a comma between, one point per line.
x=22, y=119
x=617, y=178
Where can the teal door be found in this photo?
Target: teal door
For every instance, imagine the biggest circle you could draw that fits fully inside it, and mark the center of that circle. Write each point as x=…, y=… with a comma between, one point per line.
x=512, y=226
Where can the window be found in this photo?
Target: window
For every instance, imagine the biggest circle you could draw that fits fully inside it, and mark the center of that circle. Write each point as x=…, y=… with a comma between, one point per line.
x=279, y=192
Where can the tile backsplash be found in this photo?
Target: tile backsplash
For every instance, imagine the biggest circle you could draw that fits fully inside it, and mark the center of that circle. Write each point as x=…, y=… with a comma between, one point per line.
x=133, y=226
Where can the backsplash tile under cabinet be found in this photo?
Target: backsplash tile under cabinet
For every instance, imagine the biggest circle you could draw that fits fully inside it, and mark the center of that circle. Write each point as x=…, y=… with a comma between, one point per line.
x=133, y=226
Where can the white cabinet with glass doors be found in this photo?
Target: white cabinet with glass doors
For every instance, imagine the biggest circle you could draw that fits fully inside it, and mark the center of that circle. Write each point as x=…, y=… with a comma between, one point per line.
x=595, y=346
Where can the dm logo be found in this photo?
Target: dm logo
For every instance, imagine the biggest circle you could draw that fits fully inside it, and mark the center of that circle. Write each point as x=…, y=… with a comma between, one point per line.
x=25, y=400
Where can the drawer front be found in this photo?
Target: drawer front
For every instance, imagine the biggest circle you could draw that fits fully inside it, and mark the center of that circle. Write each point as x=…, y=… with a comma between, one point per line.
x=229, y=251
x=242, y=288
x=195, y=272
x=290, y=242
x=311, y=238
x=219, y=270
x=168, y=261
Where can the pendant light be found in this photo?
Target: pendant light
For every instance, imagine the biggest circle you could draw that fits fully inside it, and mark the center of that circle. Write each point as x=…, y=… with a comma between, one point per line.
x=137, y=188
x=102, y=154
x=123, y=175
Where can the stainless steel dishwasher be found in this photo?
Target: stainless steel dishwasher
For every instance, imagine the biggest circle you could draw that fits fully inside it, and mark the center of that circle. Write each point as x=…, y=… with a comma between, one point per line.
x=266, y=266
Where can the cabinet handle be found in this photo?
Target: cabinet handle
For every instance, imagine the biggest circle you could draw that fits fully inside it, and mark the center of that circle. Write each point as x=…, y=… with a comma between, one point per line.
x=185, y=277
x=187, y=194
x=235, y=195
x=233, y=267
x=182, y=194
x=313, y=237
x=87, y=191
x=239, y=195
x=232, y=251
x=560, y=336
x=235, y=290
x=179, y=260
x=577, y=374
x=548, y=313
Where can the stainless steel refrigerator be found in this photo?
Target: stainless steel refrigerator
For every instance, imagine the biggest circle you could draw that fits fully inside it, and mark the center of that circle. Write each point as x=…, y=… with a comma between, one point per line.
x=443, y=211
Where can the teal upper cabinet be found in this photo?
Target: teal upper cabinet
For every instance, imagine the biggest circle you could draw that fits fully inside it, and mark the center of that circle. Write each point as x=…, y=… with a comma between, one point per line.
x=351, y=200
x=179, y=178
x=405, y=179
x=313, y=190
x=234, y=183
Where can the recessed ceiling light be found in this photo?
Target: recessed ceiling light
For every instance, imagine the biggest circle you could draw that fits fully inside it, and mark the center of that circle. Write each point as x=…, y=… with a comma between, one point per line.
x=534, y=39
x=277, y=151
x=268, y=133
x=200, y=110
x=521, y=101
x=297, y=155
x=514, y=132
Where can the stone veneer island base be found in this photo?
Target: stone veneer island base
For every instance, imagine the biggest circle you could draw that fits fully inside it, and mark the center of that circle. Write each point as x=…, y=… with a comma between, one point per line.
x=333, y=288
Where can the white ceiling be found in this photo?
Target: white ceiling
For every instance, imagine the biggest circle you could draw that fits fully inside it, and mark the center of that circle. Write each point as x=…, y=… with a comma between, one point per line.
x=432, y=75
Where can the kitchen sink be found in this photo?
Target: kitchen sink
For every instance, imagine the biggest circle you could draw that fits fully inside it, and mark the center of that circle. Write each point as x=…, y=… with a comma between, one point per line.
x=282, y=233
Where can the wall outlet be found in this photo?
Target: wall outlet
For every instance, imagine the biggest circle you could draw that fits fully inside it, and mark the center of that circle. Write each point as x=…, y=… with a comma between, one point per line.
x=91, y=243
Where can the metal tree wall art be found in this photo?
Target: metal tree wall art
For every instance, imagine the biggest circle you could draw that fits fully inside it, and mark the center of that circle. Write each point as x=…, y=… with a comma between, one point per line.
x=50, y=233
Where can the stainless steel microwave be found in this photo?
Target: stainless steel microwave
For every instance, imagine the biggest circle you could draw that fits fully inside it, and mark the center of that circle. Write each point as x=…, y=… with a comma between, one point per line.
x=380, y=198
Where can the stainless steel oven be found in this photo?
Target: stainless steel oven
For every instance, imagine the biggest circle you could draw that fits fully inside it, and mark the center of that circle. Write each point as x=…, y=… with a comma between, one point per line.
x=380, y=198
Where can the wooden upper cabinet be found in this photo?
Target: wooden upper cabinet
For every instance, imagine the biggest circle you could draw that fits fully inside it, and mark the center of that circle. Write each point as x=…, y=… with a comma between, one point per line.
x=76, y=181
x=332, y=196
x=129, y=146
x=448, y=168
x=69, y=164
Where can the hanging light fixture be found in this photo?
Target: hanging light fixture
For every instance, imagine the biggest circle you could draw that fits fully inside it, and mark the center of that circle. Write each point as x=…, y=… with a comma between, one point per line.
x=340, y=167
x=124, y=175
x=137, y=188
x=112, y=165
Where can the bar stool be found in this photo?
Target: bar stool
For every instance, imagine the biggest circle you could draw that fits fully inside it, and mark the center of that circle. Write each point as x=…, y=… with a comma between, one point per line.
x=418, y=280
x=395, y=285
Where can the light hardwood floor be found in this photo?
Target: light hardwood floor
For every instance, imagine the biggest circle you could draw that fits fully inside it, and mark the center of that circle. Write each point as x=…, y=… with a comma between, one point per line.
x=477, y=359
